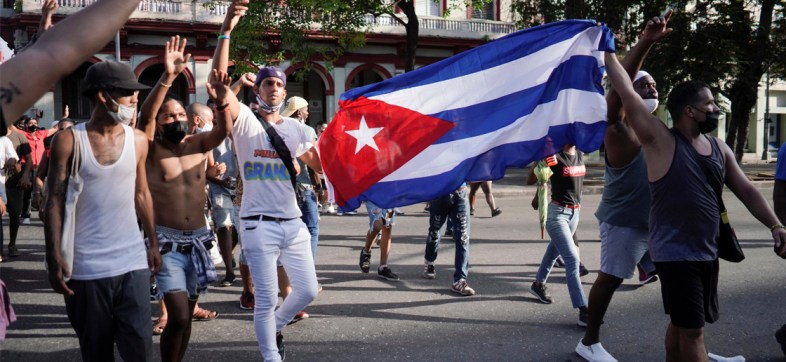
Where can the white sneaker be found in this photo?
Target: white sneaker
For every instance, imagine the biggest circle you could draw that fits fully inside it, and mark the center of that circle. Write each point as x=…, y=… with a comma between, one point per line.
x=25, y=221
x=330, y=209
x=594, y=353
x=715, y=358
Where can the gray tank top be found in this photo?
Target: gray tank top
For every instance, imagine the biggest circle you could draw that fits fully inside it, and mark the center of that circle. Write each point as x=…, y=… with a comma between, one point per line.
x=626, y=195
x=684, y=215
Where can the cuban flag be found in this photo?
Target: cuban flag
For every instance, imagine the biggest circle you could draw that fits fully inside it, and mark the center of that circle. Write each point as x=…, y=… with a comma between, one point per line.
x=507, y=103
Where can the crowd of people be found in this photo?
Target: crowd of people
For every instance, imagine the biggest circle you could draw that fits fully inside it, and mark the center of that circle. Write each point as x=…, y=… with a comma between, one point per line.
x=164, y=185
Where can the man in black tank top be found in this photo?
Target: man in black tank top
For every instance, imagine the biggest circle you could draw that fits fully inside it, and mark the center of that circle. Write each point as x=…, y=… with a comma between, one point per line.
x=682, y=236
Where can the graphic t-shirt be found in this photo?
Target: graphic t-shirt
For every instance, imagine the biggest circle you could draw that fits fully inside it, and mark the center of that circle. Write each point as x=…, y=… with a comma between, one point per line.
x=267, y=189
x=568, y=178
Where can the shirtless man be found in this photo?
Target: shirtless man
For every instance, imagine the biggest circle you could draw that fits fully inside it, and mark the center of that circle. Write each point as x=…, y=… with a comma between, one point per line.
x=176, y=175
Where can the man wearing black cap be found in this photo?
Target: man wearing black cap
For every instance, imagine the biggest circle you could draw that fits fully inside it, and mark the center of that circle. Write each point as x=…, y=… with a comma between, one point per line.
x=107, y=295
x=271, y=226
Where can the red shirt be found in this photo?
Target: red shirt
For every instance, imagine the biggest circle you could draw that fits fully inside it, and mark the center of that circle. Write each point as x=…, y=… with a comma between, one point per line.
x=36, y=140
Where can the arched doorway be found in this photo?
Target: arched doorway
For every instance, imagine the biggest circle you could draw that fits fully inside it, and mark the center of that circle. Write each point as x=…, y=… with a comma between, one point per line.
x=365, y=77
x=312, y=88
x=150, y=77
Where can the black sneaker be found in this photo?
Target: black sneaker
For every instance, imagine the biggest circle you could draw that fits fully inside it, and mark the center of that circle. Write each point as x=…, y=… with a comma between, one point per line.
x=780, y=336
x=583, y=315
x=559, y=263
x=280, y=345
x=541, y=292
x=386, y=273
x=496, y=212
x=365, y=260
x=582, y=270
x=429, y=272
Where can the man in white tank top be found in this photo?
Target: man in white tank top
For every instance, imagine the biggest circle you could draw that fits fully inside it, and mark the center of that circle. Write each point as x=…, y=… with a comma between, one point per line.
x=271, y=226
x=107, y=296
x=176, y=175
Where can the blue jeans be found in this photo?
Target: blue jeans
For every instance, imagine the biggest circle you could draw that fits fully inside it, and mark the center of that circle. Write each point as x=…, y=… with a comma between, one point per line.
x=561, y=224
x=455, y=208
x=310, y=217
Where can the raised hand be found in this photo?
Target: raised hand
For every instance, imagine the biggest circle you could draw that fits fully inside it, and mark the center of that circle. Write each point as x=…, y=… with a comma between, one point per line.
x=174, y=59
x=656, y=29
x=218, y=86
x=235, y=11
x=66, y=112
x=48, y=7
x=248, y=79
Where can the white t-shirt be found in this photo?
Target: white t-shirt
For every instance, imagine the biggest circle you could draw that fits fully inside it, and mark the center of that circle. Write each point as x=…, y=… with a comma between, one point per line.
x=267, y=189
x=7, y=152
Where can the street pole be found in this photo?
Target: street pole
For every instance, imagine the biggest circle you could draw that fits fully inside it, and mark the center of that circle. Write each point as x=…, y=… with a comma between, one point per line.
x=765, y=155
x=117, y=46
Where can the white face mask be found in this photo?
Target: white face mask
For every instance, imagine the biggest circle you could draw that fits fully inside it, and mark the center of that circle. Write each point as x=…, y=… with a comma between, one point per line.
x=652, y=104
x=124, y=114
x=206, y=128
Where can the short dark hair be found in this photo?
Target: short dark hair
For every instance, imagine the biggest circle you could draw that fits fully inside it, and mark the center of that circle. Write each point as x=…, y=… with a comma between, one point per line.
x=682, y=95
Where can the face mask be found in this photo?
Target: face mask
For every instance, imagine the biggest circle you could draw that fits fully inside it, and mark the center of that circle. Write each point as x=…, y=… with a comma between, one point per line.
x=123, y=115
x=267, y=108
x=175, y=132
x=651, y=103
x=206, y=128
x=710, y=121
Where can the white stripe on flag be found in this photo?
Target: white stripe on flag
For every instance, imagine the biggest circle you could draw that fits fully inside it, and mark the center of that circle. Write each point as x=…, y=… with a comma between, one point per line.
x=486, y=85
x=443, y=157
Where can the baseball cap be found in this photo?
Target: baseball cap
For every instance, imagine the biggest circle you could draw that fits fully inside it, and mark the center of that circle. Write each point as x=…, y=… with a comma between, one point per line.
x=270, y=71
x=293, y=104
x=110, y=75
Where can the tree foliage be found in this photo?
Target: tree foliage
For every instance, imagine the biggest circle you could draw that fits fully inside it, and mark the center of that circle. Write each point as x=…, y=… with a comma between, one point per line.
x=728, y=44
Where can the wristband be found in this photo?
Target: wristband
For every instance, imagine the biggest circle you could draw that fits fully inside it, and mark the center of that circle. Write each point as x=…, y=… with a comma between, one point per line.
x=165, y=85
x=222, y=36
x=222, y=107
x=777, y=226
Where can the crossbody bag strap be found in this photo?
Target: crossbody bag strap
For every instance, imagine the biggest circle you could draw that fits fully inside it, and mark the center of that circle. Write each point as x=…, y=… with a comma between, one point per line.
x=281, y=149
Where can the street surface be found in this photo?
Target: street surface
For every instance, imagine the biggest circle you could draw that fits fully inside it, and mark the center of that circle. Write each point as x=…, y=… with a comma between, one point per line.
x=359, y=317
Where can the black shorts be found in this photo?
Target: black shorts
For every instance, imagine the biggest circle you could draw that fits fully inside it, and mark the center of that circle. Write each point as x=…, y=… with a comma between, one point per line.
x=690, y=292
x=16, y=197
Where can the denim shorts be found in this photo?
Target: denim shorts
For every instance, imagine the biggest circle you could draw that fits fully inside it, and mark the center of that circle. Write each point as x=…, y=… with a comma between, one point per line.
x=225, y=213
x=375, y=213
x=177, y=272
x=621, y=248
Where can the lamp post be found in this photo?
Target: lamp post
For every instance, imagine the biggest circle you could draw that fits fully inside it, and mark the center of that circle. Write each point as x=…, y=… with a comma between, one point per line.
x=765, y=155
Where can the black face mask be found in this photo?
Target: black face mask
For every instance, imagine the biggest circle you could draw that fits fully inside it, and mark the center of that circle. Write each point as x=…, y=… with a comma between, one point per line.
x=175, y=132
x=710, y=123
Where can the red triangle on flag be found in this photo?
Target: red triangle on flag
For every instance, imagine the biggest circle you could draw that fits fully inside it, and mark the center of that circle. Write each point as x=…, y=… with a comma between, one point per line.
x=398, y=133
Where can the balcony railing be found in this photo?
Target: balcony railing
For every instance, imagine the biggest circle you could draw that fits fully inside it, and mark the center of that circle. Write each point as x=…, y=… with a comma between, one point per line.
x=195, y=11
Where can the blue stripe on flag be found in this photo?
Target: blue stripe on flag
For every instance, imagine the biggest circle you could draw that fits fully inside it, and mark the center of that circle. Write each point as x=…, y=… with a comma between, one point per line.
x=500, y=51
x=490, y=116
x=490, y=165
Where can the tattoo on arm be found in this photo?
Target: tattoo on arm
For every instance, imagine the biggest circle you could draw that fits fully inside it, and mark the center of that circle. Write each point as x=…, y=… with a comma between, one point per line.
x=59, y=188
x=7, y=93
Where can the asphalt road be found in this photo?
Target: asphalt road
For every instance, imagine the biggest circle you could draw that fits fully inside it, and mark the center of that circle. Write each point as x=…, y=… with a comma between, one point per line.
x=359, y=317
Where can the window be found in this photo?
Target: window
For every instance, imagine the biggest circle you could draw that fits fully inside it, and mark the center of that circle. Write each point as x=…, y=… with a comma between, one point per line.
x=487, y=12
x=427, y=7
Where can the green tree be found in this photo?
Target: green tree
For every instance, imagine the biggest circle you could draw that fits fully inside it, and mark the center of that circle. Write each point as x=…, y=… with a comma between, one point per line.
x=727, y=44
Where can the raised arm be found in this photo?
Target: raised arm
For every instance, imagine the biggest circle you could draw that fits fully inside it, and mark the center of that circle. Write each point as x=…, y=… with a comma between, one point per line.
x=58, y=53
x=647, y=128
x=175, y=62
x=48, y=8
x=246, y=80
x=219, y=91
x=236, y=10
x=57, y=185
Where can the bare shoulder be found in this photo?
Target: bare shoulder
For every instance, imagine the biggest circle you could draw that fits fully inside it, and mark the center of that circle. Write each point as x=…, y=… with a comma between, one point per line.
x=62, y=145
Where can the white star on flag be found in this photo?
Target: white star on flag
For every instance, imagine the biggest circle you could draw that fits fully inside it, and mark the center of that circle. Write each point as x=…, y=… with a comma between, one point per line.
x=365, y=135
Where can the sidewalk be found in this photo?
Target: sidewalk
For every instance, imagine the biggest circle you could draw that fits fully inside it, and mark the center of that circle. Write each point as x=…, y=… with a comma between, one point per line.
x=761, y=173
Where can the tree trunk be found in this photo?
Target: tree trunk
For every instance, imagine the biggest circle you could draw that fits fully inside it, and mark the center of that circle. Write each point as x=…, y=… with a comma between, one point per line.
x=413, y=27
x=745, y=87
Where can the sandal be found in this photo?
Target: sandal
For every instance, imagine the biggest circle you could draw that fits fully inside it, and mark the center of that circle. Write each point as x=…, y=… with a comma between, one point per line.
x=158, y=326
x=204, y=315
